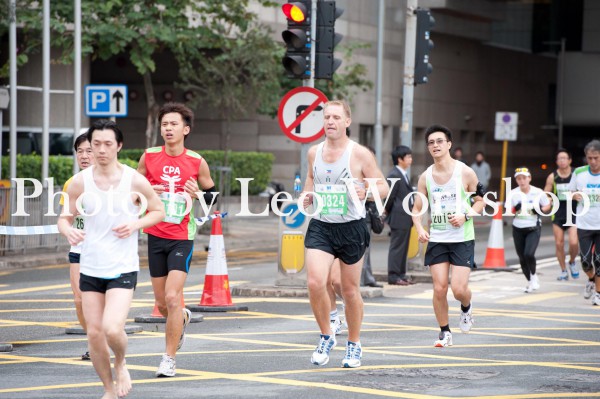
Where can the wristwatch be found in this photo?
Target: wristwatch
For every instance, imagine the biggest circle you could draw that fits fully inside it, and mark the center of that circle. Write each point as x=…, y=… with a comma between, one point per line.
x=467, y=218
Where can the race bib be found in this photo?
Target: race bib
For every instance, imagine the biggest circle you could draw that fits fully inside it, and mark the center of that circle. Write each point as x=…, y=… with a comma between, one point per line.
x=334, y=198
x=561, y=191
x=441, y=220
x=594, y=196
x=175, y=206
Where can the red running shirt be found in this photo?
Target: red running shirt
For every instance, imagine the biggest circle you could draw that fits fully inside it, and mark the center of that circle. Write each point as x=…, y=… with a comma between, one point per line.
x=172, y=172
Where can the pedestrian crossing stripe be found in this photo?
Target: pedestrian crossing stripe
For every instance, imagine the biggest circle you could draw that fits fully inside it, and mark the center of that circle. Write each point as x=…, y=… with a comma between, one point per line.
x=526, y=299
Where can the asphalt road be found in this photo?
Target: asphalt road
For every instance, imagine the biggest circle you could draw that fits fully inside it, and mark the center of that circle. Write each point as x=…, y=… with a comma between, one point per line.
x=540, y=345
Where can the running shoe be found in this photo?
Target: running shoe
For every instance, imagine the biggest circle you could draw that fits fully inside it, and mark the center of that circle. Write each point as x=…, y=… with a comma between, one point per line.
x=535, y=282
x=166, y=367
x=574, y=270
x=353, y=355
x=563, y=276
x=466, y=320
x=187, y=316
x=529, y=288
x=320, y=356
x=336, y=326
x=86, y=356
x=445, y=339
x=596, y=299
x=590, y=287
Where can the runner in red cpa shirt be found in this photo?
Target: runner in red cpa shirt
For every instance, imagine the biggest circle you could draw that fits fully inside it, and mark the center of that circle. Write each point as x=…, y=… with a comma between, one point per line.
x=176, y=174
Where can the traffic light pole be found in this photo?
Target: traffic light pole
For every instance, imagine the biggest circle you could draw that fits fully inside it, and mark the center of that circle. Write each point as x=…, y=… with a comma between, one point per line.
x=409, y=73
x=310, y=82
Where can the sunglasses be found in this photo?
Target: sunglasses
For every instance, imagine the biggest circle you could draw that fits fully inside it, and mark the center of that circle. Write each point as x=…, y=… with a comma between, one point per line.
x=522, y=170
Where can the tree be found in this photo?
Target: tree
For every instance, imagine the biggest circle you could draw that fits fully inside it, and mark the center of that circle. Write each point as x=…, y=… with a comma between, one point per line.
x=138, y=29
x=237, y=78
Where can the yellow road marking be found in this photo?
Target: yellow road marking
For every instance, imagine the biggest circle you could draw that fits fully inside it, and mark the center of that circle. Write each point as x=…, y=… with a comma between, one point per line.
x=526, y=299
x=35, y=289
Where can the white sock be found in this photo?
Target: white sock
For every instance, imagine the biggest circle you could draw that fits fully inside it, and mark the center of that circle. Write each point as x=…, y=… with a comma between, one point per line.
x=333, y=315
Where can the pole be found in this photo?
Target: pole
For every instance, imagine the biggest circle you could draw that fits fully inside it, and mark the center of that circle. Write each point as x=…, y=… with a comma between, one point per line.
x=46, y=93
x=77, y=78
x=561, y=87
x=13, y=89
x=409, y=73
x=503, y=169
x=378, y=103
x=310, y=82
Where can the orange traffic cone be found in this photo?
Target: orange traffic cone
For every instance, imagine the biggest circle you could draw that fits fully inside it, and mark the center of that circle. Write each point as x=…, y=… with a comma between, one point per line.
x=157, y=317
x=494, y=256
x=216, y=296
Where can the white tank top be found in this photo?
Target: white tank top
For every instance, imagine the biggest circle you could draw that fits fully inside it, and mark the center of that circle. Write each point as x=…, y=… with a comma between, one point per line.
x=103, y=254
x=584, y=181
x=443, y=202
x=331, y=182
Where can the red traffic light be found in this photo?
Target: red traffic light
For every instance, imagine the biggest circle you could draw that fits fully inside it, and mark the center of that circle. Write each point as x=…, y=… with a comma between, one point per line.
x=294, y=11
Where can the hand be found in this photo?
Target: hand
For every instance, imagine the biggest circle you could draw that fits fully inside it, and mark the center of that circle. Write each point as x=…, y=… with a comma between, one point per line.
x=191, y=187
x=75, y=236
x=578, y=197
x=158, y=189
x=361, y=192
x=125, y=230
x=308, y=200
x=457, y=219
x=423, y=235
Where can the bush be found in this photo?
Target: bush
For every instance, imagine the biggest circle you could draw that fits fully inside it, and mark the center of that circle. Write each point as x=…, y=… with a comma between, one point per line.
x=243, y=164
x=30, y=166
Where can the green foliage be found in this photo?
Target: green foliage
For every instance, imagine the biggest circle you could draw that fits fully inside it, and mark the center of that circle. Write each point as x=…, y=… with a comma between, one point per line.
x=30, y=166
x=255, y=165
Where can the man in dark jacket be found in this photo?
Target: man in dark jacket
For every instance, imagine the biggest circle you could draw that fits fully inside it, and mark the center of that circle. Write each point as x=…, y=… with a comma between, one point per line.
x=399, y=220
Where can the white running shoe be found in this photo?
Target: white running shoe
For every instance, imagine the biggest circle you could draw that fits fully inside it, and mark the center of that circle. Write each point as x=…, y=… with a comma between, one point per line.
x=187, y=316
x=535, y=282
x=528, y=289
x=166, y=367
x=563, y=276
x=320, y=356
x=445, y=339
x=574, y=270
x=466, y=320
x=590, y=287
x=353, y=355
x=596, y=299
x=336, y=326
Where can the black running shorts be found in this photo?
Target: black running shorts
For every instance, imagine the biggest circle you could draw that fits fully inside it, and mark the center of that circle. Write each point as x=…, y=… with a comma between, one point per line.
x=165, y=255
x=346, y=241
x=456, y=253
x=101, y=285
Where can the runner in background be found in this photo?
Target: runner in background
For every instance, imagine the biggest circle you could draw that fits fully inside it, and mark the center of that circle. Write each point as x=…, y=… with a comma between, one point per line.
x=84, y=157
x=558, y=183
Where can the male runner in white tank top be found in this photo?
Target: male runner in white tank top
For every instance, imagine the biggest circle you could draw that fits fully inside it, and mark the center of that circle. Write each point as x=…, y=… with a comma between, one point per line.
x=451, y=236
x=110, y=193
x=340, y=230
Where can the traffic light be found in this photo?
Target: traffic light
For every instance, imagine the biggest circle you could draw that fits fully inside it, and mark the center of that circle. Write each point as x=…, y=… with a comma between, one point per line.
x=325, y=63
x=424, y=44
x=297, y=39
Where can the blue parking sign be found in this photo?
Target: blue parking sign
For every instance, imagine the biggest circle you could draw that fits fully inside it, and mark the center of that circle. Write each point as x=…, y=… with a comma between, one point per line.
x=106, y=100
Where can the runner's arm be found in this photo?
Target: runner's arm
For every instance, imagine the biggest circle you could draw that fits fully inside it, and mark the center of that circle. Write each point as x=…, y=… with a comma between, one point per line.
x=309, y=183
x=69, y=211
x=416, y=210
x=549, y=183
x=155, y=211
x=159, y=188
x=371, y=170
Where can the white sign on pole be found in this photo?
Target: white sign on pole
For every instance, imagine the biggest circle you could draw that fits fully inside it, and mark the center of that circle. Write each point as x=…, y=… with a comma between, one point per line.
x=4, y=98
x=105, y=100
x=506, y=126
